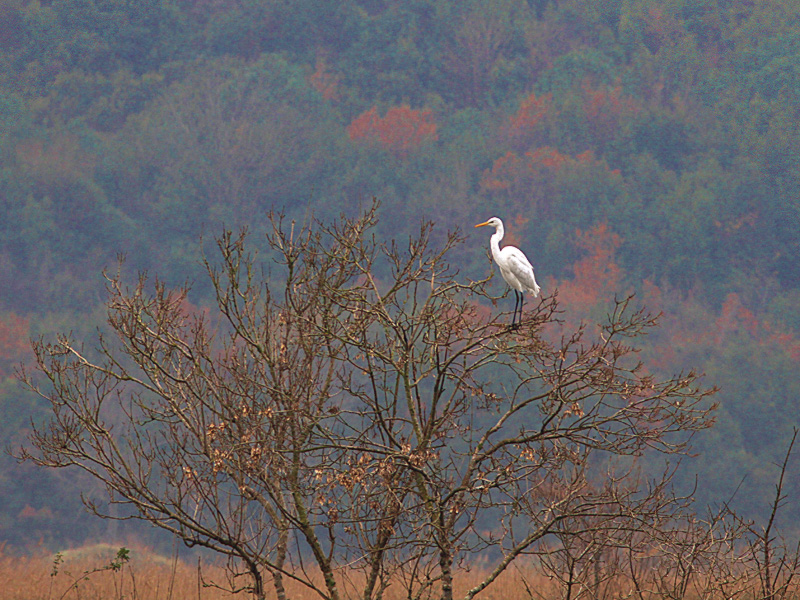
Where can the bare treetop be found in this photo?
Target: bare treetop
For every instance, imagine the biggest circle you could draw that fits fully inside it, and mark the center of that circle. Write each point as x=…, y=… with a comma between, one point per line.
x=361, y=409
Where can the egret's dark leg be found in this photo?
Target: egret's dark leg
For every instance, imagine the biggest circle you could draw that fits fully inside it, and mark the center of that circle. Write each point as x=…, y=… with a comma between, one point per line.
x=521, y=304
x=514, y=316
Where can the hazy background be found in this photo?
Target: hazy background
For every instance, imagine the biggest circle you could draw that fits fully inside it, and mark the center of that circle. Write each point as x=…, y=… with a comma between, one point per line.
x=630, y=145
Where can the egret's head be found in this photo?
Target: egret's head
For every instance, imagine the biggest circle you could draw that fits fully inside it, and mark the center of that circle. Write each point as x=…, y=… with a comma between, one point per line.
x=494, y=222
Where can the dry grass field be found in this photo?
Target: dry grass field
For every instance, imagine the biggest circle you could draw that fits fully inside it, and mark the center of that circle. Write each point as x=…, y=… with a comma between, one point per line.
x=84, y=574
x=87, y=574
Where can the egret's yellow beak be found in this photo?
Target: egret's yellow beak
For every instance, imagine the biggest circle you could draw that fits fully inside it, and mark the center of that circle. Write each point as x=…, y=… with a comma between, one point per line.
x=482, y=224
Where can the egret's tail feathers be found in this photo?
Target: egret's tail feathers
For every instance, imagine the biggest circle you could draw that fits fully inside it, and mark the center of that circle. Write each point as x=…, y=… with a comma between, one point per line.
x=534, y=290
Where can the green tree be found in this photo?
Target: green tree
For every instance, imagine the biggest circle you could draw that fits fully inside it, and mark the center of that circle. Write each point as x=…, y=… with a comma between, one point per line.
x=227, y=140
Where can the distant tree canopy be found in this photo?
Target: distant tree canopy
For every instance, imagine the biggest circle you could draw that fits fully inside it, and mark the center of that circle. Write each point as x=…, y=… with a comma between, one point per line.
x=669, y=126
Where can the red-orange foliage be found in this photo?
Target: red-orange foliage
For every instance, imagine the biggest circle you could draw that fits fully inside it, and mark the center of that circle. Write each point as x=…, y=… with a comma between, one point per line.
x=14, y=342
x=596, y=276
x=32, y=513
x=662, y=28
x=510, y=170
x=548, y=157
x=735, y=317
x=531, y=111
x=524, y=123
x=733, y=225
x=505, y=170
x=606, y=109
x=62, y=156
x=689, y=326
x=401, y=131
x=517, y=221
x=325, y=82
x=595, y=283
x=530, y=182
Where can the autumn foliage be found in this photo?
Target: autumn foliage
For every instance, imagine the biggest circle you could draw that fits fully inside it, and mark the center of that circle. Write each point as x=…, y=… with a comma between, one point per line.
x=689, y=327
x=322, y=80
x=59, y=158
x=606, y=109
x=511, y=171
x=527, y=184
x=523, y=124
x=686, y=324
x=596, y=275
x=401, y=131
x=14, y=342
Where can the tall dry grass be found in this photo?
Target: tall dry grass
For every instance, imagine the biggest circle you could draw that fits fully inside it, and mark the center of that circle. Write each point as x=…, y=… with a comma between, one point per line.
x=84, y=574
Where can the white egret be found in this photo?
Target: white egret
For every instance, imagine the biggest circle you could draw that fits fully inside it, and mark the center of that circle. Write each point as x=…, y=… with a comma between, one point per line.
x=514, y=267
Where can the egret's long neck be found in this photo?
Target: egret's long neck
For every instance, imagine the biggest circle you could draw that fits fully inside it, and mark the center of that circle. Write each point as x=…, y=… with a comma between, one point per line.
x=495, y=241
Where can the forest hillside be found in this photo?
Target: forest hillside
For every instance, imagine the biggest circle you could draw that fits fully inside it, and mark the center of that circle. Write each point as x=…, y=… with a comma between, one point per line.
x=645, y=146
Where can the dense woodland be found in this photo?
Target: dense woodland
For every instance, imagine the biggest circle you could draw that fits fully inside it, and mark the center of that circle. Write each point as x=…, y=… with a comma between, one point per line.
x=630, y=145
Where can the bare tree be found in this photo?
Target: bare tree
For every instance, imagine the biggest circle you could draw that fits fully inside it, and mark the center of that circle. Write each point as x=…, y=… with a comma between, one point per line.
x=773, y=561
x=356, y=418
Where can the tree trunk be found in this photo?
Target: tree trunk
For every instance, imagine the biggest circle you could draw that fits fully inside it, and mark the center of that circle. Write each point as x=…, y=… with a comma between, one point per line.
x=446, y=566
x=277, y=575
x=258, y=582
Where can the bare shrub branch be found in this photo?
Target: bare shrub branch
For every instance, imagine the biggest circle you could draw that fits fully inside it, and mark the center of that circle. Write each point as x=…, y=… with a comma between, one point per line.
x=356, y=418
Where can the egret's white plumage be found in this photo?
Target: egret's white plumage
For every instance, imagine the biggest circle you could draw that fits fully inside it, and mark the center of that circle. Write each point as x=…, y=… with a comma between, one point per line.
x=514, y=266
